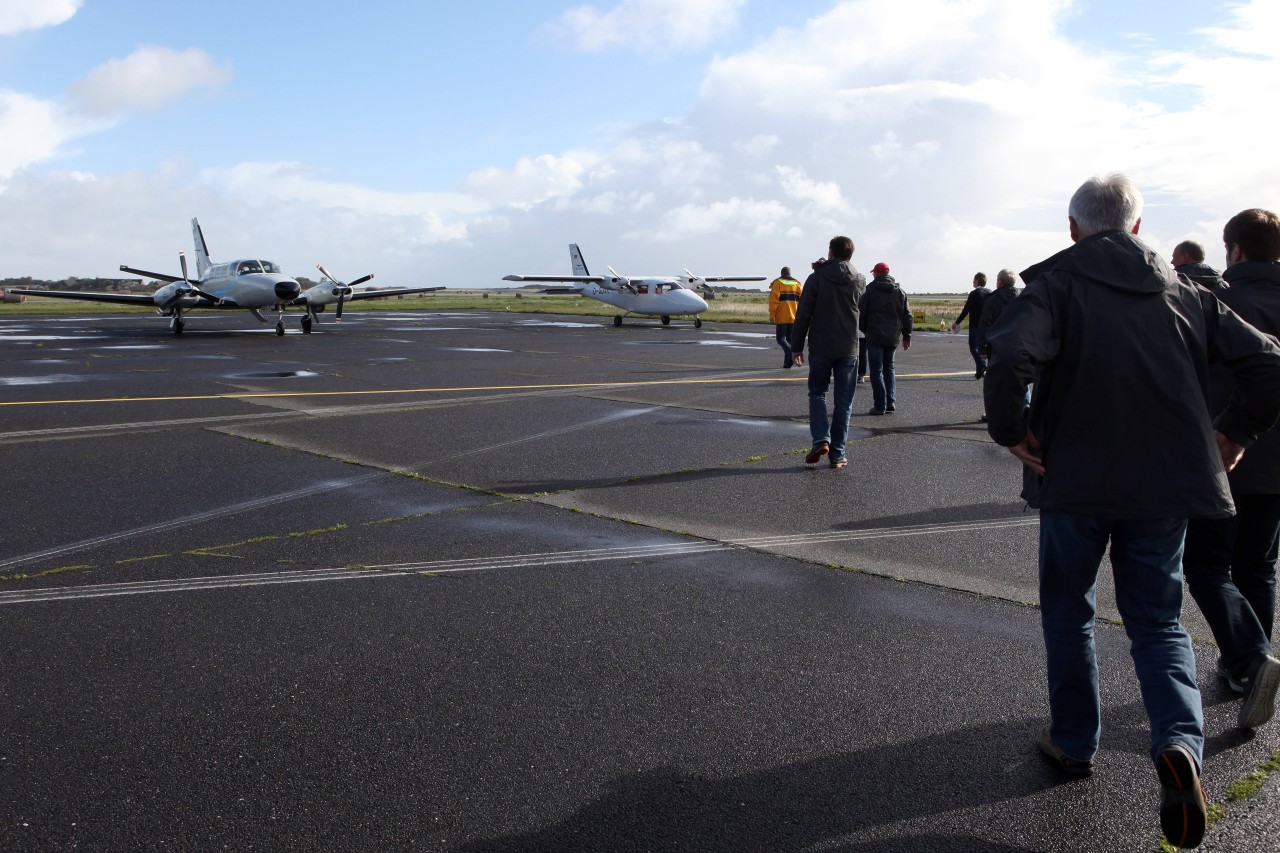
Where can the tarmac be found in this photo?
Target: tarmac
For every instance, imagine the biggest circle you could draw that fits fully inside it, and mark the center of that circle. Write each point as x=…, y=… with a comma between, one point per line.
x=487, y=581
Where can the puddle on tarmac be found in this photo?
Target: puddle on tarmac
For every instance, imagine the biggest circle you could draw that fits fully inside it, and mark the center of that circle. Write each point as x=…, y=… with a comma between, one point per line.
x=561, y=325
x=743, y=334
x=50, y=379
x=701, y=343
x=473, y=349
x=282, y=374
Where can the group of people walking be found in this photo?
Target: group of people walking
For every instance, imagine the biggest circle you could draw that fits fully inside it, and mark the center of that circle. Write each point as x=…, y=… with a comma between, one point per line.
x=1141, y=398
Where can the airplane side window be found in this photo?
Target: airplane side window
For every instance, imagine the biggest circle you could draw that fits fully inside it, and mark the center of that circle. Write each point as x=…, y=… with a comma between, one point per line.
x=268, y=266
x=642, y=288
x=657, y=289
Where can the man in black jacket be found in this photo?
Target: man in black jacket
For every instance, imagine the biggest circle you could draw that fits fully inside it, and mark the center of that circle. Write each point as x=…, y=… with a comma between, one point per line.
x=973, y=310
x=1006, y=291
x=1188, y=260
x=885, y=318
x=1230, y=563
x=828, y=318
x=1122, y=450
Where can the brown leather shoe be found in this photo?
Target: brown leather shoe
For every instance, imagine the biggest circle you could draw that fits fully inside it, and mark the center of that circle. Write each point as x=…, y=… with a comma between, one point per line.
x=815, y=455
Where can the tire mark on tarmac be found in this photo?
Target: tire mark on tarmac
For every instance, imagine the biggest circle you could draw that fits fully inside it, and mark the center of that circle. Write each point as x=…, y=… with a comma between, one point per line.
x=477, y=564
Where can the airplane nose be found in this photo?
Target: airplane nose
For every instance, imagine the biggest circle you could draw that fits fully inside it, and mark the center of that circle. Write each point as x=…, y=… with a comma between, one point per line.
x=288, y=289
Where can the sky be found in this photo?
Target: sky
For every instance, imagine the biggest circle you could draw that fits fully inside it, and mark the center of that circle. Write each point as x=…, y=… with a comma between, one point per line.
x=453, y=143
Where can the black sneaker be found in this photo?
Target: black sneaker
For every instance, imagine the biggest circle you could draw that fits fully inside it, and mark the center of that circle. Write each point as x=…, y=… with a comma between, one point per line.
x=876, y=412
x=787, y=363
x=1070, y=766
x=890, y=408
x=1183, y=810
x=1233, y=683
x=1259, y=703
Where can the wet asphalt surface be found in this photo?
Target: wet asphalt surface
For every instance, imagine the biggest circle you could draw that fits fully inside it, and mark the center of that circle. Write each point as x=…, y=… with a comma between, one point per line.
x=497, y=582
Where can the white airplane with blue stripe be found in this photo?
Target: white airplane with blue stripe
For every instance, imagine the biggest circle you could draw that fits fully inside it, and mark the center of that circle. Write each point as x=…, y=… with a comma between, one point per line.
x=249, y=284
x=652, y=296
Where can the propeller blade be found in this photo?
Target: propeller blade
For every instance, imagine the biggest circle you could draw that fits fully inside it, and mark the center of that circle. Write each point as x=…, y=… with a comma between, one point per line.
x=337, y=314
x=360, y=280
x=324, y=272
x=182, y=259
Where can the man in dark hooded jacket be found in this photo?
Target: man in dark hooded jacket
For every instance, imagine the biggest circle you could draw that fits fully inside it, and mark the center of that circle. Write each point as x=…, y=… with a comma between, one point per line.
x=1188, y=261
x=1123, y=449
x=885, y=318
x=1230, y=563
x=828, y=319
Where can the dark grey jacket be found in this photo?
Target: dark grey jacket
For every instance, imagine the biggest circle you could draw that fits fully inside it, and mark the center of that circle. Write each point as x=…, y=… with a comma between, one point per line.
x=884, y=315
x=828, y=312
x=1119, y=350
x=973, y=310
x=1201, y=274
x=993, y=307
x=1254, y=294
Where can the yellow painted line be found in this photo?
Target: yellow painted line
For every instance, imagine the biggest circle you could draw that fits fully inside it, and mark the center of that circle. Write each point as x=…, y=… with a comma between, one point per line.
x=384, y=391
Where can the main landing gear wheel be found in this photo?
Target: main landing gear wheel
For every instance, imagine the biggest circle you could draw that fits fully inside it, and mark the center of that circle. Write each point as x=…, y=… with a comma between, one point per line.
x=177, y=327
x=617, y=321
x=666, y=321
x=280, y=329
x=697, y=322
x=306, y=325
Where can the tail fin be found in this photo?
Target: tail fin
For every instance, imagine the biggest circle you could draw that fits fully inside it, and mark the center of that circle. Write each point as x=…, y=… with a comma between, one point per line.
x=579, y=265
x=202, y=250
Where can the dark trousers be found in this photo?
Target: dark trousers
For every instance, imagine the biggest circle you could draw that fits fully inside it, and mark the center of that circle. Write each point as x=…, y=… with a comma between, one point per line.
x=1230, y=565
x=862, y=356
x=783, y=333
x=979, y=357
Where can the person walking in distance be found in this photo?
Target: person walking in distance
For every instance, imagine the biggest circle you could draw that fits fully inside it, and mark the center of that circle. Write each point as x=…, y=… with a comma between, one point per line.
x=973, y=310
x=885, y=317
x=827, y=320
x=1120, y=449
x=784, y=299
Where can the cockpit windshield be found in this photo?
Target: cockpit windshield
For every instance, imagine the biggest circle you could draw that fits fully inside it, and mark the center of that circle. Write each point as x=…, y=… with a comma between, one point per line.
x=246, y=267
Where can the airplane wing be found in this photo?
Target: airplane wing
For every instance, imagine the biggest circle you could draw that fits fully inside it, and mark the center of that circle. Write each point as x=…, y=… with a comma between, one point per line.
x=374, y=294
x=391, y=291
x=582, y=279
x=158, y=276
x=732, y=278
x=88, y=296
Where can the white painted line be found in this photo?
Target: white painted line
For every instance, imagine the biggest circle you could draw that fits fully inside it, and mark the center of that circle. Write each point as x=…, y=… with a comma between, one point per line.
x=477, y=564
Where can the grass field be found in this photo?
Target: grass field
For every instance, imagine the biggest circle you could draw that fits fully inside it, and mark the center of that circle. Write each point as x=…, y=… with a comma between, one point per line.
x=930, y=309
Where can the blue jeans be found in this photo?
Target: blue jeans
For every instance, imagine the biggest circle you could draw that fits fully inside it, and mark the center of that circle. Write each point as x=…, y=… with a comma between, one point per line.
x=1231, y=571
x=883, y=384
x=836, y=431
x=1146, y=557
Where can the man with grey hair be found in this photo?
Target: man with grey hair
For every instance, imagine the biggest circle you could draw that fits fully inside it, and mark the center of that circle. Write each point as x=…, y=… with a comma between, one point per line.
x=1188, y=260
x=1104, y=330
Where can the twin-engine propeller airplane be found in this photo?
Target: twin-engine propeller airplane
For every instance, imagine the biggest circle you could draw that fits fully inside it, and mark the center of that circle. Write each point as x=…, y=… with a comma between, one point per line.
x=249, y=284
x=653, y=296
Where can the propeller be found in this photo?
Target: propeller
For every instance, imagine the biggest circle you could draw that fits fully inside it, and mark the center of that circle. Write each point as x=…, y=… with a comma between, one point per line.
x=341, y=289
x=700, y=283
x=621, y=281
x=188, y=288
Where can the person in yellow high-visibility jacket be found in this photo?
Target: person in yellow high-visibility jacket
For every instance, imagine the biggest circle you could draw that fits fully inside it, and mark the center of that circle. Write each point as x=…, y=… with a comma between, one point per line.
x=784, y=298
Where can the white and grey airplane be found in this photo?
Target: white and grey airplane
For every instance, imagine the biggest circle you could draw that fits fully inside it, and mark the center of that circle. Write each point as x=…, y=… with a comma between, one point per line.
x=653, y=296
x=248, y=284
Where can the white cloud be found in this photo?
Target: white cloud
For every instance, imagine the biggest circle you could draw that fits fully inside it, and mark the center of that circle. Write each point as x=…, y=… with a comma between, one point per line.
x=17, y=16
x=531, y=181
x=664, y=25
x=147, y=79
x=34, y=130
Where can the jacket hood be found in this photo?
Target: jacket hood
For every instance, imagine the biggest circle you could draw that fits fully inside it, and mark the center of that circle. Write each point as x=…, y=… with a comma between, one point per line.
x=1201, y=274
x=883, y=282
x=1113, y=258
x=840, y=273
